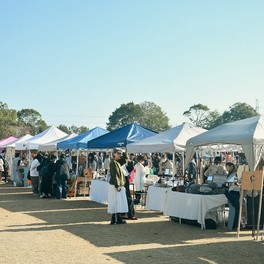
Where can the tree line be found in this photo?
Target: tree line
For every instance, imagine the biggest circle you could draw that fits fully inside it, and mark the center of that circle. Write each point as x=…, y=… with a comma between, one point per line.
x=29, y=121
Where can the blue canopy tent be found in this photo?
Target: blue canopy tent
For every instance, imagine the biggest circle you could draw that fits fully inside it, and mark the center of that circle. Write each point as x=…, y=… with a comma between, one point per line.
x=121, y=137
x=80, y=141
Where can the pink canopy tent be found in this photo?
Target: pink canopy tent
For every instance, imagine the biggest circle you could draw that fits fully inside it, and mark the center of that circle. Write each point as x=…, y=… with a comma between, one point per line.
x=6, y=141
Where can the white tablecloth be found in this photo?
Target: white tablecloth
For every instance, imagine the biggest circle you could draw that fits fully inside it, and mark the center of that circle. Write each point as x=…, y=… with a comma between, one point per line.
x=156, y=198
x=99, y=191
x=191, y=206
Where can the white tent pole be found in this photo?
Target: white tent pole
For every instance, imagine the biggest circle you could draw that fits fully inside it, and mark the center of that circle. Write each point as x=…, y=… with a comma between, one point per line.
x=174, y=169
x=183, y=168
x=77, y=162
x=196, y=164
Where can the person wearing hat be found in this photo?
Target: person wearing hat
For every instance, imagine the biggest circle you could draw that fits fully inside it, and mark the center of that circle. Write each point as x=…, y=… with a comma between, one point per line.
x=117, y=201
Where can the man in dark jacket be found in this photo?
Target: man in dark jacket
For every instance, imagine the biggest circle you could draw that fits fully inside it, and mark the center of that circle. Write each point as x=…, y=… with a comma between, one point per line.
x=61, y=176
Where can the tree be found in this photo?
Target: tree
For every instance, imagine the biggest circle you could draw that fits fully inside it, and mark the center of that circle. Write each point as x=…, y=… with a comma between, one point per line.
x=153, y=117
x=124, y=115
x=238, y=111
x=8, y=121
x=82, y=129
x=213, y=119
x=147, y=114
x=32, y=119
x=64, y=128
x=78, y=130
x=201, y=116
x=73, y=129
x=197, y=114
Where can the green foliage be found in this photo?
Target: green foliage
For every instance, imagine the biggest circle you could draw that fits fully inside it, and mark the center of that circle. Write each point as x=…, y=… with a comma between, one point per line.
x=8, y=121
x=64, y=129
x=238, y=111
x=153, y=117
x=213, y=119
x=200, y=115
x=82, y=129
x=29, y=121
x=73, y=129
x=32, y=119
x=124, y=115
x=147, y=114
x=197, y=114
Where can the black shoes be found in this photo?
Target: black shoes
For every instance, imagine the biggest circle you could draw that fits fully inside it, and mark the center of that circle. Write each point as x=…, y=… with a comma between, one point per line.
x=117, y=220
x=120, y=221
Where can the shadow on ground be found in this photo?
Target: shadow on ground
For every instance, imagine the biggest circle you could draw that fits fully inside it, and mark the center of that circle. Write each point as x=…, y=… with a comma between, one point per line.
x=153, y=238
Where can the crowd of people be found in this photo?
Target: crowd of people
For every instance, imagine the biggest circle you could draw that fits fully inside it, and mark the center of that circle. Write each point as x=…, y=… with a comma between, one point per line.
x=48, y=176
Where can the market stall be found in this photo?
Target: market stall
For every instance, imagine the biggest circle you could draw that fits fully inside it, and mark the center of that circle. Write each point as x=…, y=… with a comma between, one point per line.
x=156, y=198
x=248, y=133
x=192, y=206
x=99, y=191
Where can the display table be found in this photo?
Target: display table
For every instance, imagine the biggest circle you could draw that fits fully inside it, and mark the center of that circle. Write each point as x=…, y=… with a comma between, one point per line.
x=156, y=198
x=191, y=206
x=99, y=191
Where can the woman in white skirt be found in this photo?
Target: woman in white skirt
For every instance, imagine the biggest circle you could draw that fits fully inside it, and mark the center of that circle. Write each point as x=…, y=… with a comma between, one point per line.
x=117, y=201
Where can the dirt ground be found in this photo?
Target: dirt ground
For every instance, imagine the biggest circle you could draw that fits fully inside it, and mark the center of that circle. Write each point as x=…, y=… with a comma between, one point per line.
x=76, y=230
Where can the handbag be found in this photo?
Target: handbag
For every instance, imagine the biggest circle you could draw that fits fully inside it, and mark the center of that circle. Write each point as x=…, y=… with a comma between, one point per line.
x=131, y=176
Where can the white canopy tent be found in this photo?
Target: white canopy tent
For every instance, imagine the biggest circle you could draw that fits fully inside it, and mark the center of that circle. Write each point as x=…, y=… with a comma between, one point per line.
x=21, y=139
x=50, y=134
x=249, y=133
x=169, y=141
x=52, y=146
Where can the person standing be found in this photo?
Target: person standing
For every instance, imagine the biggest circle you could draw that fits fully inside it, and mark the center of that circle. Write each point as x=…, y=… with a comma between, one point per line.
x=15, y=169
x=233, y=197
x=61, y=176
x=131, y=208
x=192, y=171
x=1, y=167
x=216, y=168
x=117, y=201
x=140, y=178
x=106, y=163
x=34, y=174
x=46, y=182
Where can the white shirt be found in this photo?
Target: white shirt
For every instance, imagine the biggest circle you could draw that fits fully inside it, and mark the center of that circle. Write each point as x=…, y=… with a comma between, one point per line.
x=33, y=168
x=140, y=176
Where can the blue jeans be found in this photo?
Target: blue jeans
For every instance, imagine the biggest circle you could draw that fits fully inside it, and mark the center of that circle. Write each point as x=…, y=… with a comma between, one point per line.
x=61, y=188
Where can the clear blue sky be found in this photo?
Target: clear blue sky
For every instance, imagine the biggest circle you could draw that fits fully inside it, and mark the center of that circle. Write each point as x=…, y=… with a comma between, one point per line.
x=76, y=61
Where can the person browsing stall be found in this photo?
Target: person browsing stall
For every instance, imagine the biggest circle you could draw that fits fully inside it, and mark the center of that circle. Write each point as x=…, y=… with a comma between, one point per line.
x=140, y=178
x=117, y=200
x=216, y=168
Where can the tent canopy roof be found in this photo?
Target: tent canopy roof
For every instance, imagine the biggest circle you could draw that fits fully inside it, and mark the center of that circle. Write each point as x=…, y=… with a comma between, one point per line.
x=52, y=146
x=171, y=140
x=48, y=135
x=249, y=133
x=21, y=139
x=6, y=141
x=80, y=141
x=121, y=137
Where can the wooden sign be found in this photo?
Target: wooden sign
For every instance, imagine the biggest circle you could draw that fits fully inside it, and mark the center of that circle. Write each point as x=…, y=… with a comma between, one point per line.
x=252, y=180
